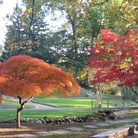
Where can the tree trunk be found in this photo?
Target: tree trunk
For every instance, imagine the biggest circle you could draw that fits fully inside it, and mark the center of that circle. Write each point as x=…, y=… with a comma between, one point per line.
x=18, y=122
x=99, y=99
x=99, y=95
x=18, y=118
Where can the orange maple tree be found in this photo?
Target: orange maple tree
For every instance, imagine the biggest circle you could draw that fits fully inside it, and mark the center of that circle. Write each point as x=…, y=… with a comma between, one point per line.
x=116, y=58
x=23, y=76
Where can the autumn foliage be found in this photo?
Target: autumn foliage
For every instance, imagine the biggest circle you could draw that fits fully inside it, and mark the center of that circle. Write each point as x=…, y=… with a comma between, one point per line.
x=24, y=76
x=116, y=58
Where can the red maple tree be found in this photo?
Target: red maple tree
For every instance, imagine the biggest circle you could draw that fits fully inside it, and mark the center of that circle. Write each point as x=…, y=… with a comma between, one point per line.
x=25, y=77
x=116, y=58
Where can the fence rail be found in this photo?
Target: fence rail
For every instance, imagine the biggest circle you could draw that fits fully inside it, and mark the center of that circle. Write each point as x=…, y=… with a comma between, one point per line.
x=110, y=103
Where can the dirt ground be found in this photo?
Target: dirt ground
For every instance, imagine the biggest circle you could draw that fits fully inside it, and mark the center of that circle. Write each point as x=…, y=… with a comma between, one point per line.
x=30, y=130
x=35, y=130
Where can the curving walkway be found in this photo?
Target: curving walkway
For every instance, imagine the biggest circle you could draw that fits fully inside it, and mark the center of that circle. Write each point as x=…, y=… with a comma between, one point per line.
x=35, y=104
x=44, y=106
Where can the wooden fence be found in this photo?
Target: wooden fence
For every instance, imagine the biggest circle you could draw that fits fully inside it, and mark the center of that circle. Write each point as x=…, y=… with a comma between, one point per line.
x=110, y=103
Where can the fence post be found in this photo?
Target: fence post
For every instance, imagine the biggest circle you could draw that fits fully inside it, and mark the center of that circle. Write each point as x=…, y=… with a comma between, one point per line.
x=92, y=104
x=123, y=103
x=115, y=103
x=107, y=103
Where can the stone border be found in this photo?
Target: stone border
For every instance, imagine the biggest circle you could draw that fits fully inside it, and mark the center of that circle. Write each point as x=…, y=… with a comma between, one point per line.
x=120, y=132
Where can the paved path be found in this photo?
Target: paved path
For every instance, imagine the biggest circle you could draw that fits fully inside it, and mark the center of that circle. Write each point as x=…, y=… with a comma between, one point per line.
x=35, y=133
x=36, y=105
x=40, y=106
x=134, y=136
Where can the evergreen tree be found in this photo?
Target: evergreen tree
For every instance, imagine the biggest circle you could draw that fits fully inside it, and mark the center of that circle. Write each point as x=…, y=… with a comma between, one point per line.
x=25, y=30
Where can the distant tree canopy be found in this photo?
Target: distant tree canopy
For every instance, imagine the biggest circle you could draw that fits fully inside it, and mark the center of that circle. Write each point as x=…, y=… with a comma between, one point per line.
x=30, y=32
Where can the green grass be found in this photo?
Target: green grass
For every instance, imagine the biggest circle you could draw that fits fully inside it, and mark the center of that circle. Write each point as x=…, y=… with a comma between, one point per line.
x=133, y=113
x=66, y=102
x=68, y=135
x=38, y=114
x=6, y=103
x=81, y=102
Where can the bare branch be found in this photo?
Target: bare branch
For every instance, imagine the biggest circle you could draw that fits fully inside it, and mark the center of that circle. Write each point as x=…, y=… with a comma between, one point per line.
x=98, y=4
x=134, y=91
x=26, y=101
x=20, y=99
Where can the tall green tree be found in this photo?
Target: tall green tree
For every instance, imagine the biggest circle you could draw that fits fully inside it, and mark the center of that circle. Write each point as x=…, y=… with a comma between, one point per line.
x=25, y=29
x=79, y=36
x=121, y=15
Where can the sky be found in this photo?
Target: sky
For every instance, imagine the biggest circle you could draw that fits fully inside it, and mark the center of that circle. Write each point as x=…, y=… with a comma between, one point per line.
x=5, y=8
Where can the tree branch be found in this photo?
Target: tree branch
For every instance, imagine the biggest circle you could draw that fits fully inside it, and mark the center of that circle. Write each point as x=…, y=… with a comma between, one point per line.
x=26, y=101
x=32, y=18
x=98, y=4
x=134, y=91
x=20, y=99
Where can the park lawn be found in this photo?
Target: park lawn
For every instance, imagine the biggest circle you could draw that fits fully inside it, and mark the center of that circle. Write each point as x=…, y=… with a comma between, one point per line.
x=133, y=113
x=66, y=102
x=39, y=114
x=7, y=104
x=82, y=102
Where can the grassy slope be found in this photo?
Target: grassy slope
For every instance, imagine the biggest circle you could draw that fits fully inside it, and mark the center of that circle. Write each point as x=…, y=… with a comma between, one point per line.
x=38, y=114
x=73, y=102
x=7, y=104
x=82, y=102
